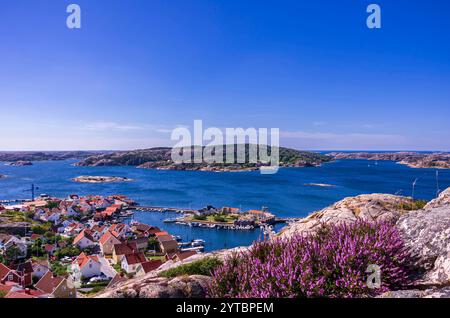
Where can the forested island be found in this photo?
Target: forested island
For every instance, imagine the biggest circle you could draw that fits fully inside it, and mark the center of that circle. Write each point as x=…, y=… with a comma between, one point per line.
x=160, y=158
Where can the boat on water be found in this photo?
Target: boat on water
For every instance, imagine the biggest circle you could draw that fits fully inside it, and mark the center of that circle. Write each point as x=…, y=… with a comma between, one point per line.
x=170, y=220
x=177, y=238
x=198, y=242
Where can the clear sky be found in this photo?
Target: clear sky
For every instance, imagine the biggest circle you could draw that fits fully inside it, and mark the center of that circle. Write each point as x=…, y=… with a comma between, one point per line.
x=138, y=68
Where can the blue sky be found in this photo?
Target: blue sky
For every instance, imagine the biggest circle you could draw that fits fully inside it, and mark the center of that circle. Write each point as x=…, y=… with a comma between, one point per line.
x=137, y=69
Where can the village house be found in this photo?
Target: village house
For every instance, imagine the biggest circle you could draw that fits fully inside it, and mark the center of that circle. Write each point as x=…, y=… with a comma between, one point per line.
x=122, y=249
x=88, y=265
x=35, y=237
x=50, y=248
x=56, y=286
x=130, y=262
x=141, y=243
x=146, y=267
x=73, y=229
x=144, y=230
x=180, y=256
x=68, y=208
x=84, y=239
x=25, y=272
x=261, y=216
x=8, y=242
x=208, y=210
x=98, y=231
x=230, y=210
x=120, y=228
x=107, y=242
x=8, y=275
x=40, y=267
x=50, y=216
x=167, y=243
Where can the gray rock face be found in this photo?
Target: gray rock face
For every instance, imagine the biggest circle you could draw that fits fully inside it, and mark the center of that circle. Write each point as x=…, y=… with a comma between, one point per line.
x=153, y=286
x=368, y=207
x=158, y=287
x=416, y=293
x=442, y=200
x=427, y=235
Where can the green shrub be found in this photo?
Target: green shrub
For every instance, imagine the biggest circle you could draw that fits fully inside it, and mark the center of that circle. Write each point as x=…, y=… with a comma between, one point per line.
x=52, y=204
x=58, y=269
x=414, y=205
x=219, y=218
x=201, y=267
x=68, y=251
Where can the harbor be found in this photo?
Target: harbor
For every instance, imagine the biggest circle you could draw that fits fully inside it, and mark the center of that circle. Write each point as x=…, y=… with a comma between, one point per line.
x=209, y=217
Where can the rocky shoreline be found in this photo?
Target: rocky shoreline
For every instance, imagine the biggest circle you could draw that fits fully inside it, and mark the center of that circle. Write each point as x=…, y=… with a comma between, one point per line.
x=20, y=163
x=425, y=230
x=411, y=159
x=100, y=179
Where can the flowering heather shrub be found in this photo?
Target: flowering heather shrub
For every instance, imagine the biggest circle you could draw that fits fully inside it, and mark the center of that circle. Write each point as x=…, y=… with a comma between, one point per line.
x=331, y=263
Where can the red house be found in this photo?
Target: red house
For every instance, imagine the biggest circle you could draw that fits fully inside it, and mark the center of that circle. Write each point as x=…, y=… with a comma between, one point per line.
x=8, y=275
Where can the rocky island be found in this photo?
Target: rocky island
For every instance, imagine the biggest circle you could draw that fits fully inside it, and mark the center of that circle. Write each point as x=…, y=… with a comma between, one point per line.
x=100, y=179
x=20, y=163
x=14, y=156
x=320, y=185
x=160, y=158
x=411, y=159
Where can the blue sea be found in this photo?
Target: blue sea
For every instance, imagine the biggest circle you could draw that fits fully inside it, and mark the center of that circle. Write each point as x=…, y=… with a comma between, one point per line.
x=285, y=194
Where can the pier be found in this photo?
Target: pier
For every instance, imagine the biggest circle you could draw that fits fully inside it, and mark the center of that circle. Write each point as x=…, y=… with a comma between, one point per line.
x=14, y=201
x=163, y=209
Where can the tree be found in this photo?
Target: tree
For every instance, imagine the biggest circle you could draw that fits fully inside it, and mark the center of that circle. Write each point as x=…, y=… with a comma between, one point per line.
x=12, y=254
x=153, y=243
x=68, y=251
x=52, y=204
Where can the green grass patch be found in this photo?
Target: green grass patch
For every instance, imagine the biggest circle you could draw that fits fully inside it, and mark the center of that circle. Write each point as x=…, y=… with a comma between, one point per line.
x=414, y=205
x=200, y=267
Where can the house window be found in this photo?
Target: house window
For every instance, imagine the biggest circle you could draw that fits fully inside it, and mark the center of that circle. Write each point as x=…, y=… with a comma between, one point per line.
x=90, y=265
x=10, y=277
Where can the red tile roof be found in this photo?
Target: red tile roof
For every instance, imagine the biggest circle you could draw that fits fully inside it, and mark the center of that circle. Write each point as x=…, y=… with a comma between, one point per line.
x=85, y=233
x=256, y=212
x=185, y=254
x=48, y=283
x=25, y=268
x=125, y=248
x=5, y=288
x=151, y=265
x=83, y=259
x=4, y=270
x=165, y=238
x=135, y=258
x=13, y=294
x=105, y=237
